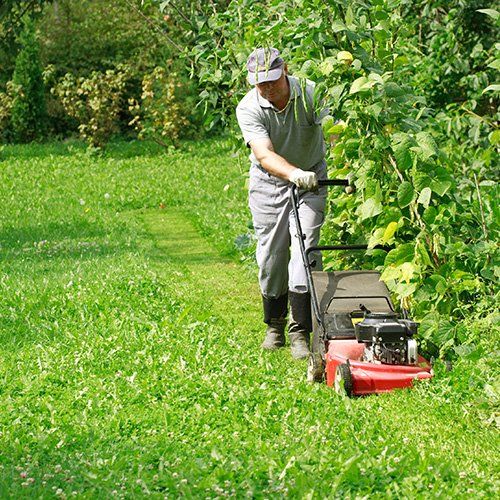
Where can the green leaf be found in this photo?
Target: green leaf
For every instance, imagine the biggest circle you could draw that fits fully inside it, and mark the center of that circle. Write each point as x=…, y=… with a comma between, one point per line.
x=406, y=194
x=375, y=77
x=401, y=145
x=421, y=251
x=375, y=109
x=376, y=237
x=408, y=269
x=490, y=12
x=440, y=283
x=380, y=15
x=358, y=84
x=442, y=181
x=468, y=351
x=445, y=331
x=404, y=290
x=440, y=188
x=426, y=145
x=430, y=214
x=327, y=123
x=356, y=64
x=327, y=66
x=403, y=253
x=336, y=129
x=425, y=197
x=391, y=273
x=494, y=137
x=421, y=180
x=495, y=64
x=389, y=232
x=370, y=208
x=390, y=214
x=400, y=61
x=393, y=89
x=338, y=26
x=428, y=325
x=494, y=88
x=349, y=16
x=336, y=91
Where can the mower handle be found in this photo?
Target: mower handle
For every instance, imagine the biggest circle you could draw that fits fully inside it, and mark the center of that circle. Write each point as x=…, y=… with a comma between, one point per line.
x=333, y=182
x=294, y=198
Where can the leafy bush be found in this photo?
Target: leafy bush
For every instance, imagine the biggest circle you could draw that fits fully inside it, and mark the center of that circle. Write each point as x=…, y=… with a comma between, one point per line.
x=28, y=111
x=449, y=62
x=161, y=115
x=95, y=102
x=80, y=37
x=59, y=123
x=13, y=17
x=6, y=103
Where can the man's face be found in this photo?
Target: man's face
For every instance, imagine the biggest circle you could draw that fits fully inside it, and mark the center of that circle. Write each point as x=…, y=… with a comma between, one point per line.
x=276, y=90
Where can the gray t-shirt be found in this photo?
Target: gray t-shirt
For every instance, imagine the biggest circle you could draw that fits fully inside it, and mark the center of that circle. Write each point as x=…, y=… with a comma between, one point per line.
x=295, y=132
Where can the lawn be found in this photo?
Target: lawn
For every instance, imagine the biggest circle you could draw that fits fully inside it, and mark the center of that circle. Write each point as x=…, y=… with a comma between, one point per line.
x=130, y=327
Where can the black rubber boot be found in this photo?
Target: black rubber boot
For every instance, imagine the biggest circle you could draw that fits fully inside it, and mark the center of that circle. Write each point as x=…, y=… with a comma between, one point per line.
x=275, y=335
x=275, y=311
x=300, y=325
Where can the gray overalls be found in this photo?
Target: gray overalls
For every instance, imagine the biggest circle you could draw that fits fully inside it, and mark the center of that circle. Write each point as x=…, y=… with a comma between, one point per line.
x=278, y=254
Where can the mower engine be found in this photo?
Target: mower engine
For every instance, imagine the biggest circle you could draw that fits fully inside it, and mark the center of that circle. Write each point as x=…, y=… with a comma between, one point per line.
x=387, y=339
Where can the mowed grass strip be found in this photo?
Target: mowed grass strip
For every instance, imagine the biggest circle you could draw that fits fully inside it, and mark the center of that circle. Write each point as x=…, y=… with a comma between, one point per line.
x=223, y=285
x=130, y=351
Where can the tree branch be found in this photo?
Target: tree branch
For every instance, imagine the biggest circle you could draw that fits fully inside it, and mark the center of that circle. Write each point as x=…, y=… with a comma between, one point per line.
x=483, y=221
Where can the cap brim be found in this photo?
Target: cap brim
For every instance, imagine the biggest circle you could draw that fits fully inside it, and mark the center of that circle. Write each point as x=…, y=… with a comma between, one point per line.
x=265, y=76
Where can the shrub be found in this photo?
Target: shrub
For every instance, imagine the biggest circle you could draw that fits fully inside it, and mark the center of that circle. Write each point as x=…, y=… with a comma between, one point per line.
x=28, y=111
x=6, y=103
x=59, y=123
x=95, y=102
x=161, y=115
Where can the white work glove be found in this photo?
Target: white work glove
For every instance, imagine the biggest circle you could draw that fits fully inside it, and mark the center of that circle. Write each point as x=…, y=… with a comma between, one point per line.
x=304, y=180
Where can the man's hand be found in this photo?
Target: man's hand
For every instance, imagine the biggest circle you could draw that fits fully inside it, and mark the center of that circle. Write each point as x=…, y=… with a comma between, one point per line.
x=304, y=180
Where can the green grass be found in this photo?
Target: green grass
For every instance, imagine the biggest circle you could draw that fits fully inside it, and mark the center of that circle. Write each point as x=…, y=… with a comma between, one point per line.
x=130, y=351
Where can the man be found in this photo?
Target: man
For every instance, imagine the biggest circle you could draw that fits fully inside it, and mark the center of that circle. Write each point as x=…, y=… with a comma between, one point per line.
x=279, y=124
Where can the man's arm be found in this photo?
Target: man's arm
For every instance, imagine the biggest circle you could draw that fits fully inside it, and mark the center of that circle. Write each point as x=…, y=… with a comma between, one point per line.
x=274, y=163
x=277, y=165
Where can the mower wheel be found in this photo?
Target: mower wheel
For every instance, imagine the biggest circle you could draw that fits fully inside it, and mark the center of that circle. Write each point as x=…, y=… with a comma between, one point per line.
x=315, y=368
x=343, y=380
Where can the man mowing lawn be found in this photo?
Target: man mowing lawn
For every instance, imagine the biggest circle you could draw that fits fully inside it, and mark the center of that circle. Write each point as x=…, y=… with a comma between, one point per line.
x=280, y=126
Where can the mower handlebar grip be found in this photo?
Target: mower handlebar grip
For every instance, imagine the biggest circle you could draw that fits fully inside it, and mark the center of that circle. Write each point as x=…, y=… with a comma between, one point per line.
x=333, y=182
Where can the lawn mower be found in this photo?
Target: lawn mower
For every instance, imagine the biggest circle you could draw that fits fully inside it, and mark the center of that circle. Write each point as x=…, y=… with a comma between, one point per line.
x=360, y=345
